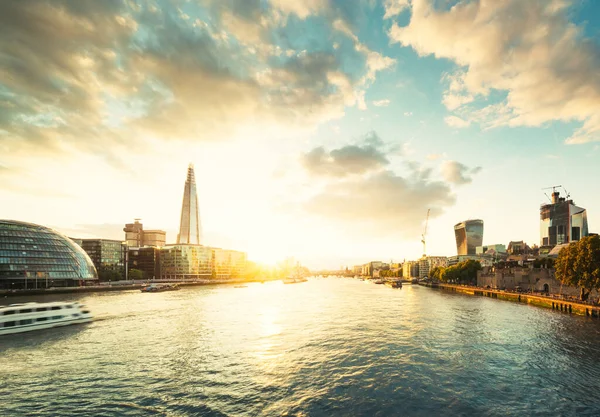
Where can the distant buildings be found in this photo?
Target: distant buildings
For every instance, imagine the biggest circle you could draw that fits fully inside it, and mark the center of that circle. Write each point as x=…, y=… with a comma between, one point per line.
x=562, y=221
x=137, y=237
x=186, y=262
x=33, y=256
x=469, y=235
x=145, y=259
x=410, y=269
x=427, y=263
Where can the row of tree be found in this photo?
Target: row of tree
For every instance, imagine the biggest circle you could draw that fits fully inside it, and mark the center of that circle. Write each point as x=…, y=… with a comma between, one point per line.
x=461, y=273
x=578, y=265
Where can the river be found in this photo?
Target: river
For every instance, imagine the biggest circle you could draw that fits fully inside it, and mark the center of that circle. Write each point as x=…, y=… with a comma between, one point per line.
x=325, y=347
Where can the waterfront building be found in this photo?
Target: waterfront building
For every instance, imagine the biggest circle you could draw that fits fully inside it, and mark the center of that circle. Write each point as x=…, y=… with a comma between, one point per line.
x=108, y=257
x=145, y=259
x=469, y=235
x=562, y=221
x=427, y=263
x=369, y=268
x=357, y=269
x=34, y=256
x=410, y=269
x=229, y=263
x=518, y=248
x=186, y=262
x=483, y=260
x=189, y=227
x=137, y=237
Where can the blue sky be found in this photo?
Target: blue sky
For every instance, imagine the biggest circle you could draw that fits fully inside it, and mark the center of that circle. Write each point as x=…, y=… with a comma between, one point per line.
x=321, y=129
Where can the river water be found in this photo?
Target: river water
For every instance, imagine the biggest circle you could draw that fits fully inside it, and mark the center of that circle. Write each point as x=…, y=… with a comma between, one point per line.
x=325, y=347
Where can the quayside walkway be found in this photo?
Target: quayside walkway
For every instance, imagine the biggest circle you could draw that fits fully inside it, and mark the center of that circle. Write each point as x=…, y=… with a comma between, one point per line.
x=553, y=302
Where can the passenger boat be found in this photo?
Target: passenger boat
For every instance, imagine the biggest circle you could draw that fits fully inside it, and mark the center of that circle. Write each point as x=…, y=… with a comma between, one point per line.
x=294, y=280
x=160, y=288
x=394, y=284
x=19, y=318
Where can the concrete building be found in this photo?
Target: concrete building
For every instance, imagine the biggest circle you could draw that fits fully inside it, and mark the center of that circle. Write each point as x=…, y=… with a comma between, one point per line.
x=189, y=226
x=427, y=263
x=497, y=248
x=137, y=237
x=528, y=279
x=410, y=269
x=469, y=235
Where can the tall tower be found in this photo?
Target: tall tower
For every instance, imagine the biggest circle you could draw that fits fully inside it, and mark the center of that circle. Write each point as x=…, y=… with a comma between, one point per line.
x=469, y=235
x=189, y=228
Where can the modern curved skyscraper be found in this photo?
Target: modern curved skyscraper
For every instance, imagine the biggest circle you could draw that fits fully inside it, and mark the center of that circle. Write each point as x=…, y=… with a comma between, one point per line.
x=469, y=235
x=189, y=227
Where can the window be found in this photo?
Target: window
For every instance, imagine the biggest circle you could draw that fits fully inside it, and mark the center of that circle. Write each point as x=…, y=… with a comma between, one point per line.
x=25, y=322
x=41, y=309
x=6, y=313
x=57, y=317
x=10, y=324
x=41, y=319
x=25, y=310
x=56, y=308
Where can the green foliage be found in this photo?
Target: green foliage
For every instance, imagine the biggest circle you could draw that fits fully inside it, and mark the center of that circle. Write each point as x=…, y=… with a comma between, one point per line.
x=578, y=265
x=461, y=273
x=109, y=274
x=436, y=273
x=136, y=274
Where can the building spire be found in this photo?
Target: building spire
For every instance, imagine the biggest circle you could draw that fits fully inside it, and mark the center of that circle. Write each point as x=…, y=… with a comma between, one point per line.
x=189, y=227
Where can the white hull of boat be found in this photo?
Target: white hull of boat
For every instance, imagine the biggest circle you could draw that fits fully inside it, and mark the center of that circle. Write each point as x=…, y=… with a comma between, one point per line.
x=42, y=326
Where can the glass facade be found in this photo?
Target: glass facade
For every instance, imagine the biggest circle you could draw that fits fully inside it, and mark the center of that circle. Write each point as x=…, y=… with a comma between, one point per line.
x=469, y=235
x=189, y=227
x=146, y=260
x=33, y=256
x=562, y=222
x=229, y=263
x=186, y=262
x=108, y=257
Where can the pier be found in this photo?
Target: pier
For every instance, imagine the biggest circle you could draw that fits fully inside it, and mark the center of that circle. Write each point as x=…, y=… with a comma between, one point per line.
x=555, y=303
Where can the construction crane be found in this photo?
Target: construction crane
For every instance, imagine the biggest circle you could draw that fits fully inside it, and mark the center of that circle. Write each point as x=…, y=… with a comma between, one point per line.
x=555, y=193
x=425, y=233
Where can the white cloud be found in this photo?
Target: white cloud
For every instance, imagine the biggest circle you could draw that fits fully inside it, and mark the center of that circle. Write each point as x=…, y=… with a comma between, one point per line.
x=381, y=103
x=455, y=121
x=528, y=49
x=408, y=113
x=395, y=7
x=456, y=173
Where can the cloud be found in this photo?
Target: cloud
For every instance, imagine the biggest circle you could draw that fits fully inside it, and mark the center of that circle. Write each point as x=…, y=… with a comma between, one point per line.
x=347, y=160
x=527, y=49
x=455, y=121
x=103, y=77
x=457, y=173
x=395, y=7
x=381, y=103
x=408, y=113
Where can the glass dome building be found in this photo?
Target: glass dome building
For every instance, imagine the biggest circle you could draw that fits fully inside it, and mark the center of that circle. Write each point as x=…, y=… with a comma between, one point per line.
x=33, y=256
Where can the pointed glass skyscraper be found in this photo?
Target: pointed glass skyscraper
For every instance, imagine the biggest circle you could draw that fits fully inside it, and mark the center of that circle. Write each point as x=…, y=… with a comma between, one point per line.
x=189, y=228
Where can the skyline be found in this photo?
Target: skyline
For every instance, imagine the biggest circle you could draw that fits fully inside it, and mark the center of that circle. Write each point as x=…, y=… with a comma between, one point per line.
x=325, y=131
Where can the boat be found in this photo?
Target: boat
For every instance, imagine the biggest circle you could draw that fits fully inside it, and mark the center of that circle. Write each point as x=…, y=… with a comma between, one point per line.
x=378, y=281
x=394, y=284
x=240, y=286
x=296, y=278
x=160, y=288
x=19, y=318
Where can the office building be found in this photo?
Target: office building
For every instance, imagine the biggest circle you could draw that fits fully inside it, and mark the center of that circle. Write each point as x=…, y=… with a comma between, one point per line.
x=137, y=237
x=146, y=260
x=562, y=221
x=108, y=257
x=189, y=226
x=410, y=269
x=427, y=263
x=33, y=256
x=492, y=249
x=229, y=263
x=469, y=235
x=186, y=262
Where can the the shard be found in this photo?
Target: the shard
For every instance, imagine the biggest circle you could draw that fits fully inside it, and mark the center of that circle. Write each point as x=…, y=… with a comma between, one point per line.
x=189, y=228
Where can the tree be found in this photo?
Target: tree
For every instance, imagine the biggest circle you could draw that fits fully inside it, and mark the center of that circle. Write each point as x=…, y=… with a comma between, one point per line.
x=136, y=274
x=463, y=272
x=578, y=265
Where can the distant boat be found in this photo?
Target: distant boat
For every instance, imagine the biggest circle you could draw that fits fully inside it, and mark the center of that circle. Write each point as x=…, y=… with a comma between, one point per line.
x=19, y=318
x=160, y=288
x=394, y=284
x=296, y=278
x=240, y=286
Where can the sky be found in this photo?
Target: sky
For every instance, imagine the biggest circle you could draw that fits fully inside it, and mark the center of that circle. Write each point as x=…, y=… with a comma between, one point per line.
x=319, y=129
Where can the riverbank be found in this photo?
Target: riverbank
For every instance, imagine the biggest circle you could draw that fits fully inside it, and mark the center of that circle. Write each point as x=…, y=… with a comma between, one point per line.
x=554, y=303
x=119, y=287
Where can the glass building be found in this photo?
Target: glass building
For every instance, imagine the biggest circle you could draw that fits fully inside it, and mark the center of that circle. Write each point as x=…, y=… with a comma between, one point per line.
x=186, y=262
x=108, y=256
x=146, y=260
x=229, y=263
x=562, y=221
x=469, y=235
x=33, y=256
x=189, y=227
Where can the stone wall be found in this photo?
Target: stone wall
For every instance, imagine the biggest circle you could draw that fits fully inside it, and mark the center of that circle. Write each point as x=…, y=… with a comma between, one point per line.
x=535, y=279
